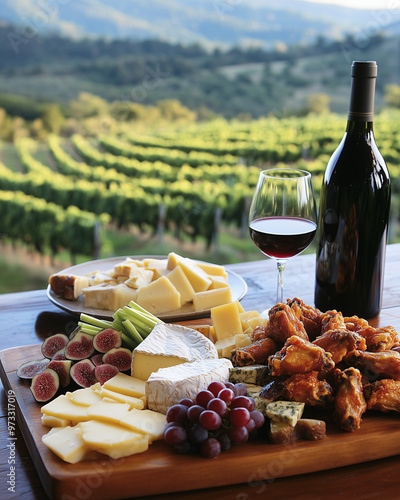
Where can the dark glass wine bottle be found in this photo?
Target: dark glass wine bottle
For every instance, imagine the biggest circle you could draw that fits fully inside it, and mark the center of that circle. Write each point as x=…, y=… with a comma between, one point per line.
x=354, y=211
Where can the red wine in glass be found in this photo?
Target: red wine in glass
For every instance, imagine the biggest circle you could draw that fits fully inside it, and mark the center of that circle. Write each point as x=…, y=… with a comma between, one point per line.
x=282, y=237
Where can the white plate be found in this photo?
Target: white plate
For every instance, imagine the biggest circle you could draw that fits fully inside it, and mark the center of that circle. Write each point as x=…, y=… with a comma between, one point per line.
x=237, y=284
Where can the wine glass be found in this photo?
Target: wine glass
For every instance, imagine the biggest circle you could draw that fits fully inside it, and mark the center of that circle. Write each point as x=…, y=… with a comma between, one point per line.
x=283, y=216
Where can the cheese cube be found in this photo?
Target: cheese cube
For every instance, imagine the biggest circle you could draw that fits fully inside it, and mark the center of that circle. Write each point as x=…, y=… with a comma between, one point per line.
x=125, y=384
x=68, y=286
x=109, y=297
x=246, y=315
x=285, y=411
x=147, y=422
x=139, y=277
x=211, y=298
x=125, y=268
x=218, y=282
x=132, y=401
x=225, y=346
x=63, y=407
x=198, y=278
x=159, y=296
x=113, y=440
x=257, y=321
x=226, y=320
x=178, y=278
x=66, y=443
x=212, y=269
x=108, y=412
x=84, y=397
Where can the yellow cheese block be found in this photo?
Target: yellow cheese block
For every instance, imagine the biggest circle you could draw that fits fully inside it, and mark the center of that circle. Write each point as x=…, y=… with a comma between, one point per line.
x=107, y=412
x=242, y=339
x=84, y=397
x=211, y=298
x=225, y=346
x=218, y=282
x=213, y=269
x=151, y=263
x=125, y=268
x=64, y=407
x=125, y=384
x=159, y=296
x=132, y=401
x=226, y=320
x=139, y=277
x=173, y=260
x=198, y=278
x=239, y=306
x=113, y=440
x=258, y=321
x=109, y=297
x=246, y=315
x=178, y=278
x=66, y=443
x=147, y=422
x=50, y=421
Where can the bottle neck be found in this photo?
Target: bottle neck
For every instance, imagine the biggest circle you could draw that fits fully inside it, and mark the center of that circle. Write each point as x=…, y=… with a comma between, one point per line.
x=362, y=98
x=359, y=128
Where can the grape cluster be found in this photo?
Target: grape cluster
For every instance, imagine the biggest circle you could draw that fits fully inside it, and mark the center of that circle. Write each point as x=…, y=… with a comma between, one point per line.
x=218, y=416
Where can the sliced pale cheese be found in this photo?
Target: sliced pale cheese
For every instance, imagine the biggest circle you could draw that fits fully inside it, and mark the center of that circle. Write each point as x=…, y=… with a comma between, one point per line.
x=147, y=422
x=242, y=339
x=132, y=401
x=139, y=277
x=169, y=345
x=213, y=269
x=50, y=421
x=66, y=443
x=107, y=412
x=84, y=397
x=168, y=386
x=173, y=260
x=198, y=278
x=125, y=384
x=226, y=320
x=98, y=278
x=258, y=321
x=126, y=268
x=64, y=407
x=285, y=411
x=225, y=346
x=218, y=282
x=211, y=298
x=109, y=297
x=178, y=278
x=159, y=296
x=113, y=440
x=246, y=315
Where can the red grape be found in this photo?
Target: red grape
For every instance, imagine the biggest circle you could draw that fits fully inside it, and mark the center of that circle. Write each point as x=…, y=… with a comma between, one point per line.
x=215, y=387
x=230, y=386
x=194, y=413
x=186, y=402
x=258, y=418
x=239, y=417
x=226, y=395
x=240, y=389
x=203, y=397
x=177, y=413
x=251, y=426
x=225, y=441
x=243, y=402
x=210, y=420
x=175, y=435
x=218, y=406
x=238, y=434
x=210, y=448
x=197, y=433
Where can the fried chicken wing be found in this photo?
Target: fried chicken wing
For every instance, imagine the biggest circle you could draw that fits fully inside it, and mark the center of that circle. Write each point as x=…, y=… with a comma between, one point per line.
x=283, y=324
x=299, y=356
x=307, y=388
x=375, y=365
x=340, y=342
x=383, y=395
x=309, y=316
x=350, y=403
x=255, y=353
x=354, y=323
x=379, y=339
x=332, y=320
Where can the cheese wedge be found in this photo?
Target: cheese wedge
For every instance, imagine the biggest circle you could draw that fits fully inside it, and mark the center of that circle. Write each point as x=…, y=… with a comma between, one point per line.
x=159, y=296
x=212, y=298
x=213, y=269
x=285, y=411
x=169, y=345
x=125, y=384
x=63, y=407
x=178, y=278
x=139, y=277
x=107, y=412
x=226, y=320
x=198, y=278
x=68, y=286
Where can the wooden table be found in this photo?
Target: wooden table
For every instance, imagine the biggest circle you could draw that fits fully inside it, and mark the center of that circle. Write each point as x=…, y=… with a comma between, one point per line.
x=29, y=317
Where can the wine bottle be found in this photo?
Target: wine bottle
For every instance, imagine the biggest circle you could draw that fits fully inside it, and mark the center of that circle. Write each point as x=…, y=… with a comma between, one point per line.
x=354, y=210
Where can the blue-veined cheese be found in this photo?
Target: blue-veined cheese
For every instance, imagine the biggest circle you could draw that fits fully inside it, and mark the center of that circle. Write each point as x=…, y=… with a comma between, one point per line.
x=253, y=374
x=285, y=411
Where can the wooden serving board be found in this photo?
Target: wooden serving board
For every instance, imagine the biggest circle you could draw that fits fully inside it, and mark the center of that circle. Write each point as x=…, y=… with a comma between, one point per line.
x=159, y=470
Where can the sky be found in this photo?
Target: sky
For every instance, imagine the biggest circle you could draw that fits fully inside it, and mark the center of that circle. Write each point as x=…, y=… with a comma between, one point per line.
x=362, y=4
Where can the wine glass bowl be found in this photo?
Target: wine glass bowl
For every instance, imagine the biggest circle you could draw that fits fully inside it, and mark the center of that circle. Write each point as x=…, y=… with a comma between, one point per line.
x=283, y=216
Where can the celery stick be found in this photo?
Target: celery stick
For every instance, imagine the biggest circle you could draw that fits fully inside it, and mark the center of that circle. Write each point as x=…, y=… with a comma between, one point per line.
x=102, y=323
x=130, y=328
x=90, y=329
x=146, y=320
x=142, y=327
x=128, y=341
x=144, y=312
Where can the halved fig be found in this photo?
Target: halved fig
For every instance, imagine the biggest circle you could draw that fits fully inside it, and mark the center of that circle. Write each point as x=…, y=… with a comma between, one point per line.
x=53, y=344
x=97, y=359
x=31, y=368
x=62, y=368
x=119, y=357
x=107, y=339
x=104, y=372
x=45, y=385
x=59, y=355
x=82, y=373
x=79, y=347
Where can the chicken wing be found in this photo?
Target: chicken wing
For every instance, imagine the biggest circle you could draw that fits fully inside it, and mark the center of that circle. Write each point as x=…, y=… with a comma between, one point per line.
x=309, y=316
x=375, y=365
x=299, y=356
x=354, y=323
x=283, y=324
x=350, y=403
x=332, y=320
x=383, y=395
x=379, y=339
x=255, y=353
x=340, y=342
x=307, y=388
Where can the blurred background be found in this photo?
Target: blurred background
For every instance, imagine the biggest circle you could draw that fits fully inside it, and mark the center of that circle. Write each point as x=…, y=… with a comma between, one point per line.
x=132, y=127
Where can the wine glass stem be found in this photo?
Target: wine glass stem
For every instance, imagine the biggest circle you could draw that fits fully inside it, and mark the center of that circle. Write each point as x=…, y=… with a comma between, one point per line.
x=279, y=291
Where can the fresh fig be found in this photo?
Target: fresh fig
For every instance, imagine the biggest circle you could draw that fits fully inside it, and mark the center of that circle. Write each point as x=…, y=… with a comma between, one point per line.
x=31, y=368
x=53, y=344
x=104, y=372
x=59, y=355
x=82, y=373
x=97, y=359
x=107, y=339
x=62, y=368
x=45, y=385
x=119, y=357
x=80, y=347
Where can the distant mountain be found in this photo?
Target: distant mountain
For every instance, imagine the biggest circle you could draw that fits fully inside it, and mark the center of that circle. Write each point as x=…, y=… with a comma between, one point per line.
x=261, y=23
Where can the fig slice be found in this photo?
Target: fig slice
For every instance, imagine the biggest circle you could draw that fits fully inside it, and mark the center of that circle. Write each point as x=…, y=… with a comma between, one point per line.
x=62, y=368
x=97, y=359
x=107, y=339
x=59, y=355
x=79, y=347
x=82, y=373
x=45, y=385
x=105, y=372
x=31, y=368
x=119, y=357
x=53, y=344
